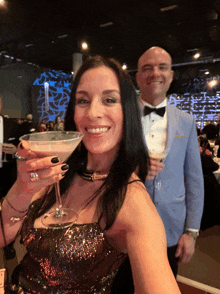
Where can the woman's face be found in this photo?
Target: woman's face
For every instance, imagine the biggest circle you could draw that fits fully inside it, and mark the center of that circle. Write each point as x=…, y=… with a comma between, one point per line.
x=98, y=110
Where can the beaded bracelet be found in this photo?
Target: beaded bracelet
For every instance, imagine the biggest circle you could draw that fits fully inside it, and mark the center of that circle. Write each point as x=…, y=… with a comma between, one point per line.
x=23, y=211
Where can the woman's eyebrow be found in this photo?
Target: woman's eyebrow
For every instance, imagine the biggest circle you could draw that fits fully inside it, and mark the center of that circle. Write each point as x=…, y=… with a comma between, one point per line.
x=81, y=92
x=110, y=91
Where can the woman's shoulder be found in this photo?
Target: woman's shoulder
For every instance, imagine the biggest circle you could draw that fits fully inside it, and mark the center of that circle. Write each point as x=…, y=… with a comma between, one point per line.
x=137, y=216
x=137, y=207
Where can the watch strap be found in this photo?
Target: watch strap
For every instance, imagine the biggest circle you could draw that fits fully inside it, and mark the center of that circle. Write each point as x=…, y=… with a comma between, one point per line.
x=194, y=235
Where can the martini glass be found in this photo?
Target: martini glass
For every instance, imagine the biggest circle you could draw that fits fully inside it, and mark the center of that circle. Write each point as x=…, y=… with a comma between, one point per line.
x=61, y=144
x=159, y=156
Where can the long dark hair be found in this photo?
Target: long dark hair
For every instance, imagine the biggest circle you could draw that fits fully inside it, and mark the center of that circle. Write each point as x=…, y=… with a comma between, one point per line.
x=132, y=155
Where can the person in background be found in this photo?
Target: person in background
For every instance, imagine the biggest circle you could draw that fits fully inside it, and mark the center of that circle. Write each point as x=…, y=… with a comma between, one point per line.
x=19, y=121
x=176, y=184
x=50, y=126
x=8, y=167
x=103, y=181
x=28, y=126
x=211, y=211
x=58, y=126
x=8, y=141
x=42, y=126
x=210, y=130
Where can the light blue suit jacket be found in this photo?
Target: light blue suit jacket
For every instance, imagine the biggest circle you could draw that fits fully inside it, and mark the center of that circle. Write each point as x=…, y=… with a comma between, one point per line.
x=178, y=191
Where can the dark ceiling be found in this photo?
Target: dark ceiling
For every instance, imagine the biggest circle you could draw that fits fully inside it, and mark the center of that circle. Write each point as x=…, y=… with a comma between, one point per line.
x=47, y=33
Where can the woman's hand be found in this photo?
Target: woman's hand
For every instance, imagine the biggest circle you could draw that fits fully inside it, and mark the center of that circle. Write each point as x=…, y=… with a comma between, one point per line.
x=36, y=173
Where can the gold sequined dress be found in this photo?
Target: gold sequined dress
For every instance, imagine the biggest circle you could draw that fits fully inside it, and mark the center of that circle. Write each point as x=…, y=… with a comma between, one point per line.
x=73, y=260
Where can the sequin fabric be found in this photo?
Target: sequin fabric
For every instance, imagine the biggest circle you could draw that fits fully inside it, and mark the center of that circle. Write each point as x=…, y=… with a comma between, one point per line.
x=75, y=260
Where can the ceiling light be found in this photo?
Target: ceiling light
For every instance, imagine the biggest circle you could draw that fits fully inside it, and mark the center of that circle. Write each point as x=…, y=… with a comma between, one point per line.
x=213, y=83
x=84, y=46
x=108, y=24
x=124, y=66
x=29, y=45
x=207, y=72
x=196, y=56
x=168, y=8
x=62, y=36
x=191, y=50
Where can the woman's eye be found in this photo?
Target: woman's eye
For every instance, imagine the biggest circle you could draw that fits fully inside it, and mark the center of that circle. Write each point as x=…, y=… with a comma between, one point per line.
x=110, y=100
x=82, y=101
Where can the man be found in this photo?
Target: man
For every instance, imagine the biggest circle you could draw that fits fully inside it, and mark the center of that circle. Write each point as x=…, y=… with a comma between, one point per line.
x=176, y=185
x=28, y=126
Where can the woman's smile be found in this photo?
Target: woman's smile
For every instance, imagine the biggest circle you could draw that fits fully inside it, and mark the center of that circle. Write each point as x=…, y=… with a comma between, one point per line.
x=97, y=130
x=98, y=110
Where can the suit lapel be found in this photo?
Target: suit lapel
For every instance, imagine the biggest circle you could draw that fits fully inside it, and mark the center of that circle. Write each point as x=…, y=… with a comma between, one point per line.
x=172, y=118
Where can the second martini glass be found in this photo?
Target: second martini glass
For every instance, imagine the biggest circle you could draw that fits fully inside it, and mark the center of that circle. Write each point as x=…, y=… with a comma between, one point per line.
x=159, y=156
x=61, y=144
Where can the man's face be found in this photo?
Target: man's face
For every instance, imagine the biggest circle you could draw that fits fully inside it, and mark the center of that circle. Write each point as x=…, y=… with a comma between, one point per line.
x=154, y=75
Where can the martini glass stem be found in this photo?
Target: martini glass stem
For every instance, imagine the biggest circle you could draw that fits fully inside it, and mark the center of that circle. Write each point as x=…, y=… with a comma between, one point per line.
x=59, y=211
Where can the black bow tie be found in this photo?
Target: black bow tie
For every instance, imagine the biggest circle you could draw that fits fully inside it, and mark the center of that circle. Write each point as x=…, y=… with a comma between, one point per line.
x=159, y=111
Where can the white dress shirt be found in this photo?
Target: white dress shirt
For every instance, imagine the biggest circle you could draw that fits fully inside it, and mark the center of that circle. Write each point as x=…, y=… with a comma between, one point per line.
x=154, y=127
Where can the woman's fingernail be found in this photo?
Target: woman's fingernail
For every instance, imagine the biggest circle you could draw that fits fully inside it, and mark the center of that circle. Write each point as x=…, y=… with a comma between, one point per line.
x=55, y=160
x=65, y=167
x=21, y=146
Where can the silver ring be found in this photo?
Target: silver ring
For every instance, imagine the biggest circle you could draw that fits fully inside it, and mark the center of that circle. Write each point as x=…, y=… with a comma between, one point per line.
x=34, y=177
x=19, y=157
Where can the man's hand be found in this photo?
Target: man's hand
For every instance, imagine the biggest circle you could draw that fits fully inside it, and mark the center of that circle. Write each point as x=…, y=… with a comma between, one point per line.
x=154, y=168
x=8, y=148
x=185, y=249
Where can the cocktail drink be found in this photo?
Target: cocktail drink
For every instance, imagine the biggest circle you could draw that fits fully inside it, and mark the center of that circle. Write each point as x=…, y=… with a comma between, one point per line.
x=60, y=144
x=157, y=155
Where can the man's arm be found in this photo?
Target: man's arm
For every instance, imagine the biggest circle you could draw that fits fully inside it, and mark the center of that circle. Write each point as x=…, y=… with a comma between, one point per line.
x=194, y=184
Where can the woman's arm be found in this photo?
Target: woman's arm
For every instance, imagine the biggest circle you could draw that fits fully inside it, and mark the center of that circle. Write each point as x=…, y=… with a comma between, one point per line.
x=13, y=211
x=139, y=230
x=25, y=191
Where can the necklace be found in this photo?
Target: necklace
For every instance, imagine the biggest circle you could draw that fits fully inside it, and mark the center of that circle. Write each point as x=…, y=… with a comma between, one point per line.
x=91, y=176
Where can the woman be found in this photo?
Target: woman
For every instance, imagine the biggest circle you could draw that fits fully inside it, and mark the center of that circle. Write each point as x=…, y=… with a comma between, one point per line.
x=58, y=125
x=116, y=215
x=42, y=126
x=50, y=126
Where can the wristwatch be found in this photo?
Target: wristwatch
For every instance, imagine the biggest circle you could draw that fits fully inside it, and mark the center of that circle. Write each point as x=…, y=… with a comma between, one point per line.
x=194, y=235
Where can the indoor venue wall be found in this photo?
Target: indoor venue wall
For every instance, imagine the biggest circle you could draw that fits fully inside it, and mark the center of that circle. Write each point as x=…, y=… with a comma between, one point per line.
x=16, y=81
x=197, y=97
x=202, y=106
x=59, y=89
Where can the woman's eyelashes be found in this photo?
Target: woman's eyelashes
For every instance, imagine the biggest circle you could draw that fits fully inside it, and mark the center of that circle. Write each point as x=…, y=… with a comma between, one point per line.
x=82, y=101
x=104, y=100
